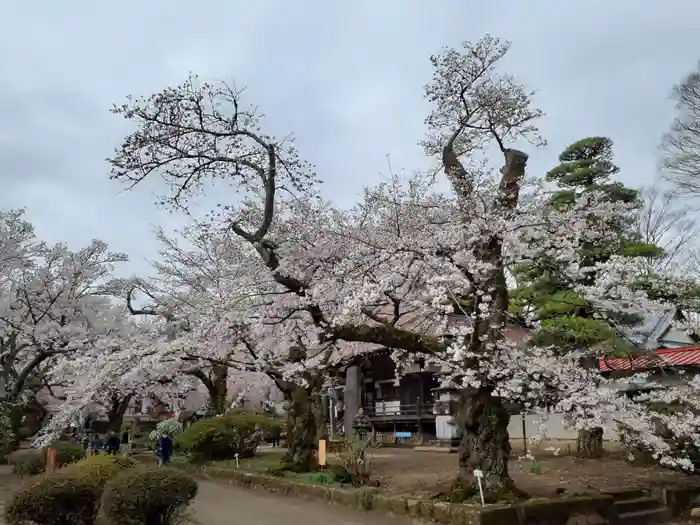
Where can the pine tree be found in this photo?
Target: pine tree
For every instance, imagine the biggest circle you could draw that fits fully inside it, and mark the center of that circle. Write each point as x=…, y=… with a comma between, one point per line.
x=565, y=317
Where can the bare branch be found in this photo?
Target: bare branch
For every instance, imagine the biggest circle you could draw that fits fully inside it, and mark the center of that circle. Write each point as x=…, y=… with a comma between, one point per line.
x=663, y=220
x=681, y=145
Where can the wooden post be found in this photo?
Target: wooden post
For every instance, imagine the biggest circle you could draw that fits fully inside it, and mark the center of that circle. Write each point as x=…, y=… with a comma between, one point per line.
x=420, y=415
x=50, y=460
x=522, y=416
x=322, y=452
x=331, y=415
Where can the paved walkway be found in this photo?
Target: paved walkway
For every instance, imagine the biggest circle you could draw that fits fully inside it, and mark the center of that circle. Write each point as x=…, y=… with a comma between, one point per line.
x=221, y=504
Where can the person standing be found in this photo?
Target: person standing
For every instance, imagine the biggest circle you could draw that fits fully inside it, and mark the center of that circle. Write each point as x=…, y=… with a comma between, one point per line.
x=125, y=446
x=159, y=453
x=164, y=449
x=96, y=444
x=112, y=444
x=361, y=424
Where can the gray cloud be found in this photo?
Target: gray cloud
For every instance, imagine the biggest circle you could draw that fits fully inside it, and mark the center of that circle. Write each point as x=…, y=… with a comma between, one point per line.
x=346, y=78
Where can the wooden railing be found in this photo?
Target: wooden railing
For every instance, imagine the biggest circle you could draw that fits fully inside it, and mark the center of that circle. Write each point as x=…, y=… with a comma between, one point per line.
x=392, y=410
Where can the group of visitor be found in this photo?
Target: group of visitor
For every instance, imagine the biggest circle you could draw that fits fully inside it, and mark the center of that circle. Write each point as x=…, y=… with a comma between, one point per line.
x=110, y=444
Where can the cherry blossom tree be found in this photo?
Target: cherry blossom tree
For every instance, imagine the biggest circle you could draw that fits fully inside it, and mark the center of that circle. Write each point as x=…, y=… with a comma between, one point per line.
x=51, y=301
x=114, y=370
x=17, y=245
x=238, y=322
x=190, y=286
x=391, y=270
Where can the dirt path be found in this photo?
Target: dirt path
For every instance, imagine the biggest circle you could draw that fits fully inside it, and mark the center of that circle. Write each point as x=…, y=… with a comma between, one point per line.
x=220, y=504
x=427, y=473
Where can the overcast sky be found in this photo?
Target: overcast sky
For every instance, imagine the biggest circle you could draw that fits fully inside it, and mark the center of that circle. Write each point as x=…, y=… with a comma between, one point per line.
x=345, y=77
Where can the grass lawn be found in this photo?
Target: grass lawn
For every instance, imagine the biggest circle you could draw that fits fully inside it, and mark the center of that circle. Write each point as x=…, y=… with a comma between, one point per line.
x=270, y=457
x=263, y=459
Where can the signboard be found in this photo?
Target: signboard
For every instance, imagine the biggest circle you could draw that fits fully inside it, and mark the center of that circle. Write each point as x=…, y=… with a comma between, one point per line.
x=50, y=460
x=478, y=474
x=322, y=452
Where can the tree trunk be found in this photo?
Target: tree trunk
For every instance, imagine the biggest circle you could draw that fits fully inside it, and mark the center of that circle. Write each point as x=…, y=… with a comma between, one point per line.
x=303, y=415
x=117, y=409
x=10, y=423
x=15, y=414
x=590, y=443
x=484, y=446
x=218, y=390
x=34, y=416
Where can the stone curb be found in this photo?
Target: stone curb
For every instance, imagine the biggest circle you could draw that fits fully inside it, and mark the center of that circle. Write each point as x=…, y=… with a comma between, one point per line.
x=555, y=512
x=366, y=498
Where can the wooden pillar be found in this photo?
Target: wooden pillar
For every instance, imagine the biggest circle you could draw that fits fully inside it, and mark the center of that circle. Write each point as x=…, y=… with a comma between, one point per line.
x=352, y=395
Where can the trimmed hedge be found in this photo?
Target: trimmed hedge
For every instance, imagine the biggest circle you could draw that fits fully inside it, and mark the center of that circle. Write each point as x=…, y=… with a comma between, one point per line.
x=73, y=492
x=32, y=462
x=28, y=463
x=67, y=452
x=99, y=469
x=60, y=499
x=223, y=437
x=157, y=496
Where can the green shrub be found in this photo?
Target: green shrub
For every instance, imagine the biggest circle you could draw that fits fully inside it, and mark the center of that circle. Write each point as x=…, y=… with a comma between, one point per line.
x=223, y=437
x=31, y=462
x=157, y=496
x=99, y=469
x=357, y=460
x=59, y=499
x=340, y=474
x=67, y=452
x=28, y=463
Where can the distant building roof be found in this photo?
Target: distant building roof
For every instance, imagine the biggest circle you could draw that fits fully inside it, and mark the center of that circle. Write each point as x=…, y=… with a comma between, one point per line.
x=661, y=358
x=647, y=334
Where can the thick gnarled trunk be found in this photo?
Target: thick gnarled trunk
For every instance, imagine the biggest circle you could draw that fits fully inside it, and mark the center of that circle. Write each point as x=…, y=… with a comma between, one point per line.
x=484, y=446
x=117, y=408
x=303, y=413
x=589, y=443
x=217, y=387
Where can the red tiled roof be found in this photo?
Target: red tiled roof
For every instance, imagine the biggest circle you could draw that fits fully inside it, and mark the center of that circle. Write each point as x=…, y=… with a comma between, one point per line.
x=663, y=357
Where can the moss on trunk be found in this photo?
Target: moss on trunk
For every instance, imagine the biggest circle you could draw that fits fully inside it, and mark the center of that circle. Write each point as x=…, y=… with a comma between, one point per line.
x=303, y=415
x=589, y=443
x=484, y=446
x=217, y=387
